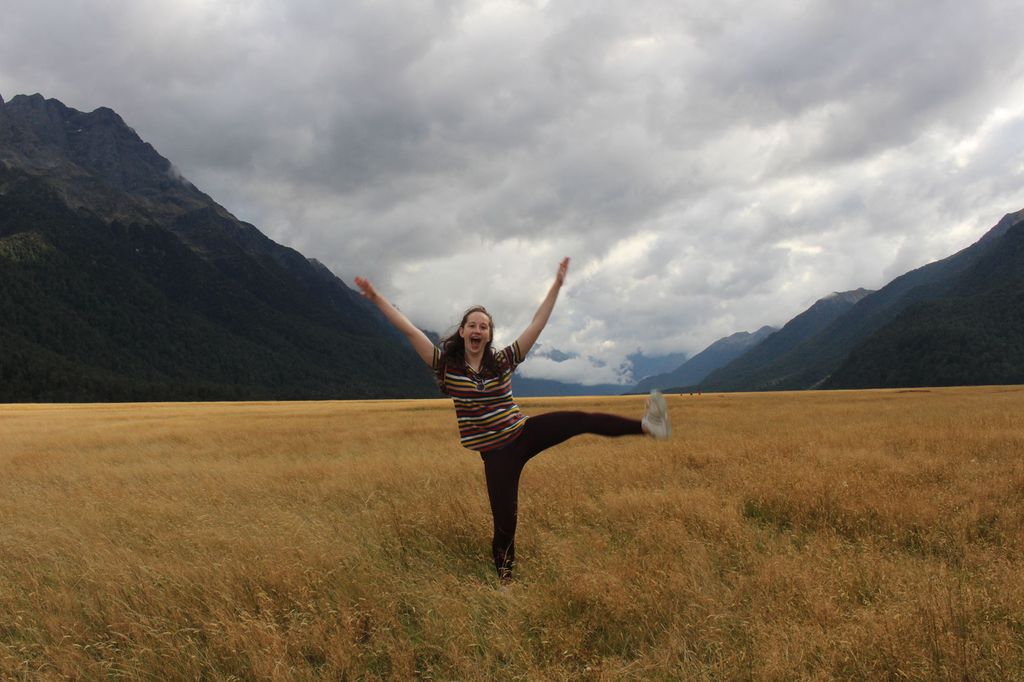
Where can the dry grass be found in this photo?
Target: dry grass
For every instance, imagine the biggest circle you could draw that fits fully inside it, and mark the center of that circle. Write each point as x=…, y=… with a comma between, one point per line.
x=860, y=535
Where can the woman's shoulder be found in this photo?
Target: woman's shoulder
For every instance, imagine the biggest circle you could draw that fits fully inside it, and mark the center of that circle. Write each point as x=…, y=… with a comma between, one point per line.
x=501, y=352
x=506, y=357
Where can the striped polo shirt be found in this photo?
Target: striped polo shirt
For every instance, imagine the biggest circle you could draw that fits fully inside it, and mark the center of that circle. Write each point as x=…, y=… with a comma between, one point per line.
x=487, y=414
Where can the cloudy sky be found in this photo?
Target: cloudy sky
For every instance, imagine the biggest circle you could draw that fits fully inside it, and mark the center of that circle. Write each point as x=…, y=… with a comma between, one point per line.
x=710, y=166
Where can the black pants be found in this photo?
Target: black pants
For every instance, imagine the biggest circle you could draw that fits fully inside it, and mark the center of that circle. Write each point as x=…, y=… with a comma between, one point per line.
x=503, y=467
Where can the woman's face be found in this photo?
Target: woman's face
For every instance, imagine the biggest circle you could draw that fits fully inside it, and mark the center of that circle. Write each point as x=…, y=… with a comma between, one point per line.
x=476, y=332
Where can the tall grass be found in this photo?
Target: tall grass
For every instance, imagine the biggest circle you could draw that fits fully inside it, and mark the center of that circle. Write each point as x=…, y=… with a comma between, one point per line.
x=847, y=535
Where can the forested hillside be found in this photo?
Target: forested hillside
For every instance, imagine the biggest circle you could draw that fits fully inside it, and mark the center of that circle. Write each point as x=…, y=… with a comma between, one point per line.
x=122, y=282
x=972, y=336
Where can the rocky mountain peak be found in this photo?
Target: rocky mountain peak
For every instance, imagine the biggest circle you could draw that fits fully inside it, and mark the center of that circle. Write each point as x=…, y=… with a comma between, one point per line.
x=845, y=297
x=46, y=138
x=99, y=141
x=1003, y=226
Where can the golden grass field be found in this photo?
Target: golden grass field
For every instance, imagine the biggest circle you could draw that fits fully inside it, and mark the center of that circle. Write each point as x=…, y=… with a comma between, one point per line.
x=802, y=536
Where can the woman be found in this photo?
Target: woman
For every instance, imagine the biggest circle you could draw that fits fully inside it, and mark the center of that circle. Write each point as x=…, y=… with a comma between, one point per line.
x=479, y=380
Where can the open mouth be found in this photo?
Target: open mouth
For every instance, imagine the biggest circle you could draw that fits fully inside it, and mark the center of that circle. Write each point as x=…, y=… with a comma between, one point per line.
x=476, y=342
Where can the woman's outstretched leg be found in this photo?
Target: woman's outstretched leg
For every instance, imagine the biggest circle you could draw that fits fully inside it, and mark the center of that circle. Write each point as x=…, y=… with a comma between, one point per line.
x=546, y=430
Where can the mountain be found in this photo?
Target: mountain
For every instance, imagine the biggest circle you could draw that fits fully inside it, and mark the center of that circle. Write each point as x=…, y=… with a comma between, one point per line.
x=973, y=335
x=122, y=281
x=741, y=372
x=719, y=353
x=538, y=388
x=524, y=387
x=810, y=363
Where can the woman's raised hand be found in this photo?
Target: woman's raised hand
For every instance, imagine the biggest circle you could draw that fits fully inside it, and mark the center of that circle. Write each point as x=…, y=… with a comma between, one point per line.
x=563, y=268
x=540, y=318
x=423, y=346
x=367, y=288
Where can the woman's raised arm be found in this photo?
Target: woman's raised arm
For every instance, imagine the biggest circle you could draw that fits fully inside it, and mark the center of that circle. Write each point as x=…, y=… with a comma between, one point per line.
x=540, y=318
x=423, y=346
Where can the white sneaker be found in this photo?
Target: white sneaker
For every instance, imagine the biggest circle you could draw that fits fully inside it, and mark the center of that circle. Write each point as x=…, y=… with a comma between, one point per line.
x=655, y=420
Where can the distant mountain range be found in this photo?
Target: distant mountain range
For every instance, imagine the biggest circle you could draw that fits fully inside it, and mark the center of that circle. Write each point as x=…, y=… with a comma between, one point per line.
x=693, y=371
x=930, y=288
x=640, y=363
x=525, y=387
x=745, y=371
x=122, y=281
x=963, y=325
x=957, y=321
